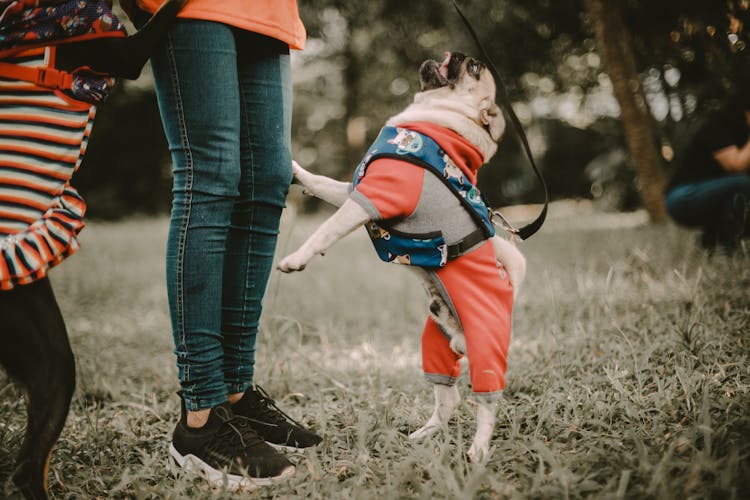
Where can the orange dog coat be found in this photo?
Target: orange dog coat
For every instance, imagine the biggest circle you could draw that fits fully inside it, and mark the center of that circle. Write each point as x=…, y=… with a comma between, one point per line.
x=479, y=294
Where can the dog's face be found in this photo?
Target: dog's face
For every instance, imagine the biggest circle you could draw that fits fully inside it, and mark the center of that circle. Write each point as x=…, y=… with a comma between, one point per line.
x=453, y=68
x=467, y=80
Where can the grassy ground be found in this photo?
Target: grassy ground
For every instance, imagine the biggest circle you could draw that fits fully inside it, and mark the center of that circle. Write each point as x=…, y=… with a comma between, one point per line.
x=629, y=373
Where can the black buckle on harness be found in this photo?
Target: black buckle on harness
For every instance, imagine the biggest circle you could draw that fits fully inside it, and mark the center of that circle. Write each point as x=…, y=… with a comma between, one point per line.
x=458, y=249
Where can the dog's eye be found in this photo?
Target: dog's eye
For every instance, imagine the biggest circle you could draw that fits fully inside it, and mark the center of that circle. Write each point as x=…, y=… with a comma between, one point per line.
x=474, y=68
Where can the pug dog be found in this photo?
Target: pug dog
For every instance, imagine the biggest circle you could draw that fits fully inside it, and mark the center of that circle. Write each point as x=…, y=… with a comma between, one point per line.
x=401, y=197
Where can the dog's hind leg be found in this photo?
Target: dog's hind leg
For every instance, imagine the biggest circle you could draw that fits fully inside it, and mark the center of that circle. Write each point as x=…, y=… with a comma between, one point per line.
x=507, y=254
x=447, y=399
x=37, y=354
x=442, y=314
x=448, y=325
x=485, y=426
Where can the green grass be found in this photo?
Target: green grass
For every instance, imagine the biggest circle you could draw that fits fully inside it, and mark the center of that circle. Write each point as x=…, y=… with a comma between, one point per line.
x=628, y=377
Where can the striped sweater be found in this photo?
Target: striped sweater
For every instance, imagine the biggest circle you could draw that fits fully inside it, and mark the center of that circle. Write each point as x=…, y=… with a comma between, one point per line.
x=43, y=136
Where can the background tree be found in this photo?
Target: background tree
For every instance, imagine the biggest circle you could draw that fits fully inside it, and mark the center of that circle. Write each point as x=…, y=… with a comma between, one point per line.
x=615, y=44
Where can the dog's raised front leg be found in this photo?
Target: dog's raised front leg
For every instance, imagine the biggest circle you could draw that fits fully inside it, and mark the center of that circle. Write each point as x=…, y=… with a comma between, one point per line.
x=345, y=220
x=485, y=426
x=447, y=399
x=327, y=189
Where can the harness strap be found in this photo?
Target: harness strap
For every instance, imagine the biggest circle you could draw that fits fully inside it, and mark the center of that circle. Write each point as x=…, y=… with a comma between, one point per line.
x=426, y=247
x=531, y=228
x=50, y=78
x=484, y=228
x=474, y=238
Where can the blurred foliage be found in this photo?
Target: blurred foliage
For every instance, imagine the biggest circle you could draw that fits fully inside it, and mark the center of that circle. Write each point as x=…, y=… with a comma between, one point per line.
x=690, y=53
x=361, y=66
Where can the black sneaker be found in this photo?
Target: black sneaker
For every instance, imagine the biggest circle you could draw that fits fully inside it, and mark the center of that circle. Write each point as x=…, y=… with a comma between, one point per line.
x=272, y=424
x=228, y=452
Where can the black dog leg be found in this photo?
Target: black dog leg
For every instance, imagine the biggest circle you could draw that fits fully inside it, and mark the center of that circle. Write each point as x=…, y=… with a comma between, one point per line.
x=37, y=354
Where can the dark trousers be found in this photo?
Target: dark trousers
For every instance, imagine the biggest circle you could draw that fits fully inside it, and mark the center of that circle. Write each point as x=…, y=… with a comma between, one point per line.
x=718, y=206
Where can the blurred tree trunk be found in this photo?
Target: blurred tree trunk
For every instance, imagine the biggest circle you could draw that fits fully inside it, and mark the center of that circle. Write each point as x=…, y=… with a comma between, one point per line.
x=614, y=43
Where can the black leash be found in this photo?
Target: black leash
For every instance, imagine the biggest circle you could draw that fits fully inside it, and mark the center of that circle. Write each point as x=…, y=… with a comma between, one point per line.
x=534, y=226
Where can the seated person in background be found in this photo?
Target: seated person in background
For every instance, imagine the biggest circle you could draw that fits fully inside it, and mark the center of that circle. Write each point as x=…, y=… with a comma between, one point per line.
x=711, y=186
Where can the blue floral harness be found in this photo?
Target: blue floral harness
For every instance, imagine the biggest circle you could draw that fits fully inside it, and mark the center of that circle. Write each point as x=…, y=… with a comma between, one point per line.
x=429, y=249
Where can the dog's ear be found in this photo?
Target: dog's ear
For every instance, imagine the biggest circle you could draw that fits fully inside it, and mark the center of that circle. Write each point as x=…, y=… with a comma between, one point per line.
x=492, y=118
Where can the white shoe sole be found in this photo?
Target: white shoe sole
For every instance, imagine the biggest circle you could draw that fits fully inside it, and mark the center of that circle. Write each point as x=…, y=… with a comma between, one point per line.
x=288, y=448
x=222, y=479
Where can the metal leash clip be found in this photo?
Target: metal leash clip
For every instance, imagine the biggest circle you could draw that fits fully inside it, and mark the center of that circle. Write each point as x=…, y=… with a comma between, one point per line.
x=504, y=224
x=531, y=228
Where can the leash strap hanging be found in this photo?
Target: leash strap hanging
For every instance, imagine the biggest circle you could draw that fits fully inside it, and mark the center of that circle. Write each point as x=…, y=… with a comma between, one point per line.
x=534, y=226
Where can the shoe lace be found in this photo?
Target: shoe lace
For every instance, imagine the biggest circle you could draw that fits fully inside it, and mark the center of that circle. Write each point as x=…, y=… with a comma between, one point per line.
x=237, y=432
x=269, y=409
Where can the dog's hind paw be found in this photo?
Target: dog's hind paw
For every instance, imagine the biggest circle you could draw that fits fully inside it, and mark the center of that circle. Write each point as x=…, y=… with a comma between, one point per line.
x=480, y=446
x=478, y=453
x=442, y=316
x=458, y=344
x=425, y=431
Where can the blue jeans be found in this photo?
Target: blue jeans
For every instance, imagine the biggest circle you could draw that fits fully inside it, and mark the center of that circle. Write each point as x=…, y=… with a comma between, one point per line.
x=707, y=204
x=225, y=102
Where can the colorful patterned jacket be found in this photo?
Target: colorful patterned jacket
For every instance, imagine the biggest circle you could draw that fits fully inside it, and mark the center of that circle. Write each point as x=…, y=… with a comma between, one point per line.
x=46, y=115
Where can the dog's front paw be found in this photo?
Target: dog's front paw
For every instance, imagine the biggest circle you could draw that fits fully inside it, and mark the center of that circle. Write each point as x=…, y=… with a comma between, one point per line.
x=293, y=262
